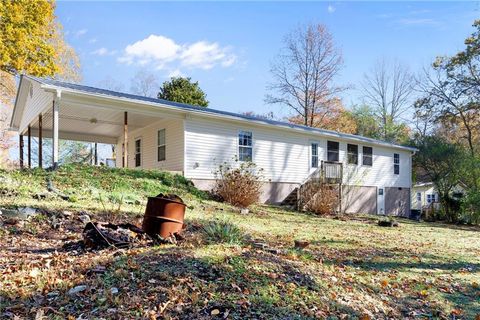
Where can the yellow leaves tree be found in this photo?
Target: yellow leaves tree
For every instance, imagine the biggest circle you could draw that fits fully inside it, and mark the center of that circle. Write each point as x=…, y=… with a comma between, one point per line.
x=31, y=42
x=334, y=117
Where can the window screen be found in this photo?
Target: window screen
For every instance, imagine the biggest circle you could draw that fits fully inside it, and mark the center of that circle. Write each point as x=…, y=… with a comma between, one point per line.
x=245, y=146
x=396, y=163
x=367, y=156
x=332, y=151
x=161, y=151
x=352, y=154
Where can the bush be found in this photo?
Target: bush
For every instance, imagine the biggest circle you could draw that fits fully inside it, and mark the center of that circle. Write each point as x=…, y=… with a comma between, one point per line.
x=238, y=184
x=319, y=199
x=223, y=231
x=471, y=207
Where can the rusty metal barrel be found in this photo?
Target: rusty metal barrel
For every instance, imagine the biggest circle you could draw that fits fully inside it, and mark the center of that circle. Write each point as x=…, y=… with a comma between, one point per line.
x=164, y=215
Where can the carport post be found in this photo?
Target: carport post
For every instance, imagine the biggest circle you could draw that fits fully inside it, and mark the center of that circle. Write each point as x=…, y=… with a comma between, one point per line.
x=40, y=151
x=125, y=140
x=29, y=151
x=56, y=107
x=21, y=150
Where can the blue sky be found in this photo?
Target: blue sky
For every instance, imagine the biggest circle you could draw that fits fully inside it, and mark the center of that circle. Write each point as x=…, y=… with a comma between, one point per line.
x=228, y=47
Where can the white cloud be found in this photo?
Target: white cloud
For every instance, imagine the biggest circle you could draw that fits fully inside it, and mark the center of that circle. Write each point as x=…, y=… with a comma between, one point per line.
x=175, y=73
x=165, y=53
x=81, y=32
x=92, y=40
x=331, y=9
x=104, y=52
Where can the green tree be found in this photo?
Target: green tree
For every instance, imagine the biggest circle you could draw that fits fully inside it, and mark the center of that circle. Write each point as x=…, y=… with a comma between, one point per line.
x=442, y=163
x=368, y=124
x=183, y=90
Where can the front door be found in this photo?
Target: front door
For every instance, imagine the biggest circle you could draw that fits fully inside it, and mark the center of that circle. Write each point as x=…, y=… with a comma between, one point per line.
x=381, y=201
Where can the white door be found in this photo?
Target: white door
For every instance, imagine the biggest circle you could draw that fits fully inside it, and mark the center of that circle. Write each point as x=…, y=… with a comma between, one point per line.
x=381, y=201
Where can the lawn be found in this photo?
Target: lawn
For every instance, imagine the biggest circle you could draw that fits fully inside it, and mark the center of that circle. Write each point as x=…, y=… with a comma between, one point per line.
x=352, y=268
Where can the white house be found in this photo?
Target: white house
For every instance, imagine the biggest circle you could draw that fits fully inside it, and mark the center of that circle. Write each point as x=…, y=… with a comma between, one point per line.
x=194, y=140
x=425, y=195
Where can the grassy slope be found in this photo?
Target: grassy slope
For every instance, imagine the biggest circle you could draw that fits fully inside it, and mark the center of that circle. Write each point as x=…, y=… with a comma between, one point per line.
x=352, y=267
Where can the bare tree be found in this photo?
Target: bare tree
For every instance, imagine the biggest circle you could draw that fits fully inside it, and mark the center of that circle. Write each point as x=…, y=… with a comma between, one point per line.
x=144, y=84
x=304, y=72
x=388, y=90
x=110, y=83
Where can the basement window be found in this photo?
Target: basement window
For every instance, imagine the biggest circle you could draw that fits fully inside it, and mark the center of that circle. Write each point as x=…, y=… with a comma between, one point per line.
x=396, y=163
x=138, y=153
x=314, y=155
x=352, y=154
x=332, y=151
x=245, y=146
x=161, y=152
x=367, y=159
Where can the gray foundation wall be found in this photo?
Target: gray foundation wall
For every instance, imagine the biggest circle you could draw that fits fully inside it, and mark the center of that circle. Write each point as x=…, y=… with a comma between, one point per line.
x=273, y=192
x=355, y=199
x=397, y=201
x=359, y=199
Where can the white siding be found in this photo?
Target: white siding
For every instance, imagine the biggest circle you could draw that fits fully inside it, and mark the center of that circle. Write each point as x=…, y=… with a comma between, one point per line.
x=35, y=104
x=174, y=146
x=284, y=156
x=380, y=174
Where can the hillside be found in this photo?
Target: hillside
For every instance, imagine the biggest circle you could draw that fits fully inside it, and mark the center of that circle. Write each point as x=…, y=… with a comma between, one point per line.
x=229, y=265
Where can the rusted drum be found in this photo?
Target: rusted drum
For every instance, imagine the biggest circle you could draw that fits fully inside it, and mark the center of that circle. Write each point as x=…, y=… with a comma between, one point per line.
x=163, y=216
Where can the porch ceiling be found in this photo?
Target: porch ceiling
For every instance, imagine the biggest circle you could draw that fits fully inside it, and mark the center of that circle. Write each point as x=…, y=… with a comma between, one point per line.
x=88, y=123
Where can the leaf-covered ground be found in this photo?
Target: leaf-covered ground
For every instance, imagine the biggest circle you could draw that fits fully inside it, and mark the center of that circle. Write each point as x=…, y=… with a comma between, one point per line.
x=352, y=269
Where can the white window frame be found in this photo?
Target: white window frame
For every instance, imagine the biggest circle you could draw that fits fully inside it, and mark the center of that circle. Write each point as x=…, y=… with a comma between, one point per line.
x=162, y=145
x=337, y=151
x=363, y=155
x=348, y=155
x=395, y=163
x=419, y=196
x=140, y=152
x=242, y=146
x=311, y=154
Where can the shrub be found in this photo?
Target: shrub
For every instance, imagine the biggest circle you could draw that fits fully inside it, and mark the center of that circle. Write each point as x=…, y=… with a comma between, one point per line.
x=239, y=183
x=319, y=199
x=223, y=231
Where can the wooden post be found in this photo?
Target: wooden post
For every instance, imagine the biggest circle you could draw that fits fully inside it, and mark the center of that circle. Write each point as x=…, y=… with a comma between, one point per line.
x=21, y=150
x=125, y=140
x=56, y=106
x=96, y=154
x=40, y=146
x=29, y=150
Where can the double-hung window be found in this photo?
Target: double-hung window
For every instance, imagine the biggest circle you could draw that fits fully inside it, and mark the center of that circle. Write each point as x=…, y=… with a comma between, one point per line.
x=332, y=151
x=419, y=196
x=430, y=198
x=314, y=155
x=245, y=146
x=161, y=145
x=367, y=159
x=352, y=154
x=138, y=153
x=396, y=163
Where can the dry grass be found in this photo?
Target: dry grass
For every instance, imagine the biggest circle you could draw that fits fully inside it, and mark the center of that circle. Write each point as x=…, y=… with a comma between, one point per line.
x=351, y=269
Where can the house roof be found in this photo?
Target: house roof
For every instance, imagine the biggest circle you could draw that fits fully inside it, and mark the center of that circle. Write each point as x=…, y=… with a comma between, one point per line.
x=88, y=90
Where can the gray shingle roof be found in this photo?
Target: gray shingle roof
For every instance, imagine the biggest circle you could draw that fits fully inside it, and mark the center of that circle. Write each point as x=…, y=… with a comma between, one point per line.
x=186, y=107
